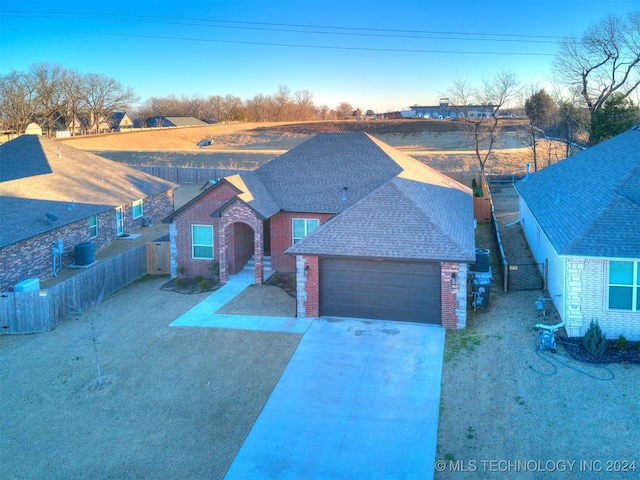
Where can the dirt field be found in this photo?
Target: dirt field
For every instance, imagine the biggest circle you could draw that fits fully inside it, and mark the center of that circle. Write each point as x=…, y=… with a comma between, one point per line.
x=441, y=144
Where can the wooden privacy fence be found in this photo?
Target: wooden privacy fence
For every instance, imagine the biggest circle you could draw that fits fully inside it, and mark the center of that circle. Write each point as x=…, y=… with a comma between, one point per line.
x=42, y=310
x=198, y=175
x=158, y=258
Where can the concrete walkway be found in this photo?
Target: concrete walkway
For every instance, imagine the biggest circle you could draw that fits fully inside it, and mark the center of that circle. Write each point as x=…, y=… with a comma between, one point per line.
x=358, y=399
x=203, y=314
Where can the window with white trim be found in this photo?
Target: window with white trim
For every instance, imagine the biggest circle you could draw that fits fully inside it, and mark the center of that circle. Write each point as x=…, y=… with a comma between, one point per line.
x=624, y=286
x=202, y=242
x=136, y=209
x=93, y=226
x=301, y=227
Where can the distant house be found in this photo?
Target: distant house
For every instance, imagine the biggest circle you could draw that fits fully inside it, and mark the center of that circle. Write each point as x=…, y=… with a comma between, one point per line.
x=368, y=231
x=33, y=129
x=83, y=124
x=120, y=120
x=54, y=195
x=162, y=121
x=445, y=110
x=581, y=217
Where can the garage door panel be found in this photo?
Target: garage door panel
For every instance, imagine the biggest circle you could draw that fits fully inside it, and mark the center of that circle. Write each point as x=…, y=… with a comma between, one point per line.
x=380, y=290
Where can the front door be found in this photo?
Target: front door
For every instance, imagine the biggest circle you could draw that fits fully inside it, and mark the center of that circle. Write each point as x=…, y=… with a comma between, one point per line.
x=119, y=221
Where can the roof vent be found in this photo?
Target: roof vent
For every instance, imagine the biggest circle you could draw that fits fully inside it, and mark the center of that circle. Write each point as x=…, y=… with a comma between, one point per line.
x=344, y=194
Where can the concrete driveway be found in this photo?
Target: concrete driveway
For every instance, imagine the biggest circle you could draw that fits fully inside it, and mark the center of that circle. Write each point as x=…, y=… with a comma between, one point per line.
x=358, y=399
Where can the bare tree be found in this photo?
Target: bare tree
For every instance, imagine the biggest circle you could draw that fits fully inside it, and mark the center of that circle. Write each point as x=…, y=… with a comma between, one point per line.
x=323, y=111
x=48, y=78
x=103, y=95
x=479, y=108
x=72, y=85
x=96, y=315
x=344, y=110
x=257, y=108
x=18, y=100
x=604, y=60
x=304, y=109
x=281, y=104
x=233, y=108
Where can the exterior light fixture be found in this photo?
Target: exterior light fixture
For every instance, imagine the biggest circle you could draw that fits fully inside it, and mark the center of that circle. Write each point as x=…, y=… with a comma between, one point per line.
x=454, y=279
x=306, y=270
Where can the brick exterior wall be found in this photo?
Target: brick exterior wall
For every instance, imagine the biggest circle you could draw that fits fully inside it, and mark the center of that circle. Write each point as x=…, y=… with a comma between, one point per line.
x=587, y=287
x=454, y=292
x=236, y=245
x=33, y=257
x=199, y=213
x=453, y=288
x=307, y=287
x=282, y=238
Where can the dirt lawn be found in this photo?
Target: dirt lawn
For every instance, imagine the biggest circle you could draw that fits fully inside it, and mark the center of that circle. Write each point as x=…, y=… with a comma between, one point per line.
x=177, y=403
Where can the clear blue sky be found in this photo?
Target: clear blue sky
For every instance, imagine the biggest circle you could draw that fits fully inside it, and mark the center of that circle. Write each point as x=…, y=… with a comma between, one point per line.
x=380, y=55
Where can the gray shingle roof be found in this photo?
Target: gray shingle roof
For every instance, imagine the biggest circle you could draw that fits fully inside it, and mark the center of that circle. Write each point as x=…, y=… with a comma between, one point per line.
x=311, y=177
x=35, y=180
x=395, y=207
x=403, y=219
x=589, y=204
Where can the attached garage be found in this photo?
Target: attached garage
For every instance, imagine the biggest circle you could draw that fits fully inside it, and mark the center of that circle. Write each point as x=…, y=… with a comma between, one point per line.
x=380, y=289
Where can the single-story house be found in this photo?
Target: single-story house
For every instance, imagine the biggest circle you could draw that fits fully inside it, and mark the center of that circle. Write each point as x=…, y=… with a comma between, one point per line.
x=368, y=231
x=581, y=218
x=54, y=197
x=163, y=121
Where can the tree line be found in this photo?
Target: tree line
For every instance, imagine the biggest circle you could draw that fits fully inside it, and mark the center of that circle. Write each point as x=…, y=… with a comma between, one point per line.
x=59, y=98
x=595, y=75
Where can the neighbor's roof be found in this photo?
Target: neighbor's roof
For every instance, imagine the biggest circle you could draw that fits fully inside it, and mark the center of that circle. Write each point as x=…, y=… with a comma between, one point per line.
x=176, y=121
x=589, y=204
x=34, y=181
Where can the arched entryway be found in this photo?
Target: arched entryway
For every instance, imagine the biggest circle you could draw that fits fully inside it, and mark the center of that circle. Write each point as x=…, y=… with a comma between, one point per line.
x=241, y=237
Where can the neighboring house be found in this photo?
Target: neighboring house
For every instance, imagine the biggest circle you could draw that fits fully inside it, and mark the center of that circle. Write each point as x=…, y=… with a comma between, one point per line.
x=368, y=231
x=83, y=124
x=162, y=121
x=581, y=216
x=120, y=120
x=33, y=129
x=51, y=193
x=444, y=110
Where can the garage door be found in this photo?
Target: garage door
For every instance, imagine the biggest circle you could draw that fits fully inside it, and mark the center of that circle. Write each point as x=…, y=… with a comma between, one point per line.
x=383, y=290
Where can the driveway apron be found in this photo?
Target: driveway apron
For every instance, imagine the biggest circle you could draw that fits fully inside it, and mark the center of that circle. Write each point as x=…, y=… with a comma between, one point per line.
x=359, y=399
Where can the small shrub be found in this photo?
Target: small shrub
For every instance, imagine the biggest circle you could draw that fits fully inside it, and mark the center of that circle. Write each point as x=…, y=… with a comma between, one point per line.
x=180, y=282
x=204, y=284
x=214, y=268
x=198, y=278
x=621, y=343
x=180, y=269
x=638, y=346
x=594, y=340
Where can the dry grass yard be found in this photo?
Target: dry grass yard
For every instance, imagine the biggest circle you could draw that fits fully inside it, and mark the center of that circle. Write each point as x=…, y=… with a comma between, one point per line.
x=177, y=403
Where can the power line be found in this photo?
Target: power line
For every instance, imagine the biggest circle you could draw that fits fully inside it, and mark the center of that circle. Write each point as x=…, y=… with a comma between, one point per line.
x=348, y=31
x=271, y=44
